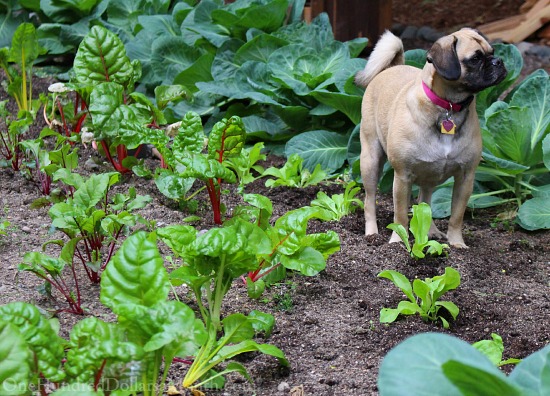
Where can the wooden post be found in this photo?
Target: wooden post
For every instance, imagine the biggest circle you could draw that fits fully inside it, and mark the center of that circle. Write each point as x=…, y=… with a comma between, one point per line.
x=355, y=18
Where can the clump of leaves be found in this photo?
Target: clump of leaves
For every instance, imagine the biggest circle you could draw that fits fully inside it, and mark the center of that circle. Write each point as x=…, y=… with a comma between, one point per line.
x=4, y=227
x=494, y=349
x=17, y=62
x=12, y=136
x=339, y=205
x=428, y=360
x=424, y=296
x=293, y=174
x=211, y=262
x=420, y=226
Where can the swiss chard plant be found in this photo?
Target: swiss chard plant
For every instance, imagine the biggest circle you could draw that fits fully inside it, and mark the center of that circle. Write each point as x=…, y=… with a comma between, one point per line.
x=11, y=137
x=441, y=363
x=423, y=296
x=188, y=159
x=420, y=227
x=17, y=62
x=291, y=246
x=211, y=262
x=293, y=174
x=128, y=356
x=95, y=220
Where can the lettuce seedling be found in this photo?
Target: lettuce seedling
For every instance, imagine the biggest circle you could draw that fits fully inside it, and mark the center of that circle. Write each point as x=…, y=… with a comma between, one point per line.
x=293, y=174
x=423, y=296
x=212, y=261
x=419, y=226
x=339, y=205
x=494, y=350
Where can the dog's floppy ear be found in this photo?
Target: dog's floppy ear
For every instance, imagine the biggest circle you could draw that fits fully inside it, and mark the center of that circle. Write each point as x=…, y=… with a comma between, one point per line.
x=445, y=59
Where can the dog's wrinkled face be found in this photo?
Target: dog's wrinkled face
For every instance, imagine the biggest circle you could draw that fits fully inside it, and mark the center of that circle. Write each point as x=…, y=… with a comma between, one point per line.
x=467, y=58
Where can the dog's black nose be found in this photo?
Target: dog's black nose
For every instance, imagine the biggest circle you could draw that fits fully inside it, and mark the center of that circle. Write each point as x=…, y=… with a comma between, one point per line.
x=496, y=62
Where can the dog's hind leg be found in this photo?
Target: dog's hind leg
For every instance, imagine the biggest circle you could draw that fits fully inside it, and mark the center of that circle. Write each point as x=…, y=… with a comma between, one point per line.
x=372, y=159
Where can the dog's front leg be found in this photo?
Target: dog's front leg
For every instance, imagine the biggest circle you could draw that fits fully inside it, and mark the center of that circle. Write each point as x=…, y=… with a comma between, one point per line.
x=462, y=191
x=402, y=185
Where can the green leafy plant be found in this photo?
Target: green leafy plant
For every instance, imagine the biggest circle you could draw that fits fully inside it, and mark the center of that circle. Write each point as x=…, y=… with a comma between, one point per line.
x=23, y=52
x=424, y=296
x=291, y=246
x=211, y=262
x=4, y=225
x=429, y=361
x=339, y=205
x=48, y=162
x=12, y=136
x=96, y=222
x=124, y=356
x=293, y=174
x=494, y=349
x=187, y=160
x=246, y=163
x=420, y=227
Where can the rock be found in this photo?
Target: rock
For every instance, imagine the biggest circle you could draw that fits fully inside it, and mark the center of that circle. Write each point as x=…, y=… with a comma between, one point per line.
x=409, y=33
x=427, y=33
x=91, y=165
x=26, y=229
x=283, y=387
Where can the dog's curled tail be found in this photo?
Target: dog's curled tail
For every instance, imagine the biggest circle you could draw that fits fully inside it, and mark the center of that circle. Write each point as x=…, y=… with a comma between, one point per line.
x=388, y=52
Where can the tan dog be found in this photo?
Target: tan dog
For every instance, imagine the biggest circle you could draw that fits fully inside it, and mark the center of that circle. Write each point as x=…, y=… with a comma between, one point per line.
x=425, y=123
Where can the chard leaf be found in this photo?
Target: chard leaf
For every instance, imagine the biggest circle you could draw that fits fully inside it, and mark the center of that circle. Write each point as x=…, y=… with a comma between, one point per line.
x=307, y=261
x=262, y=322
x=24, y=46
x=16, y=365
x=94, y=189
x=39, y=336
x=226, y=139
x=172, y=184
x=177, y=237
x=136, y=274
x=102, y=57
x=227, y=352
x=94, y=342
x=237, y=328
x=200, y=167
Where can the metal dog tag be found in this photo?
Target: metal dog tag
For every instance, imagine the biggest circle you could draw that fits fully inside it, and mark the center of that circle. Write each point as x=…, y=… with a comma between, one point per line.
x=448, y=127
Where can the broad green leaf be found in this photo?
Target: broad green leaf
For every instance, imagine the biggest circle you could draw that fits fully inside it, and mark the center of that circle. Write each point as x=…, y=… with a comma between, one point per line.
x=307, y=261
x=415, y=366
x=473, y=381
x=237, y=328
x=41, y=339
x=533, y=373
x=177, y=237
x=348, y=104
x=259, y=48
x=493, y=349
x=403, y=234
x=24, y=47
x=172, y=55
x=16, y=361
x=230, y=351
x=388, y=315
x=201, y=167
x=534, y=214
x=324, y=148
x=400, y=281
x=449, y=306
x=226, y=139
x=135, y=275
x=262, y=322
x=190, y=136
x=546, y=151
x=101, y=57
x=420, y=223
x=94, y=189
x=416, y=58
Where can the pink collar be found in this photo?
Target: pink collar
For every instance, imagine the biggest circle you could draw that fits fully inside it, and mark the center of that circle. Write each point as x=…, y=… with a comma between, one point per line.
x=449, y=106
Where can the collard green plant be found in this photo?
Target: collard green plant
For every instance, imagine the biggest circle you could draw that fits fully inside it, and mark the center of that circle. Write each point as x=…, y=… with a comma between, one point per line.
x=424, y=296
x=17, y=62
x=419, y=226
x=293, y=174
x=211, y=262
x=431, y=361
x=339, y=205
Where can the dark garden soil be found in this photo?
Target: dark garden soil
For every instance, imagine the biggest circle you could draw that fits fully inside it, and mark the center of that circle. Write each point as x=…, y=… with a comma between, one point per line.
x=328, y=324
